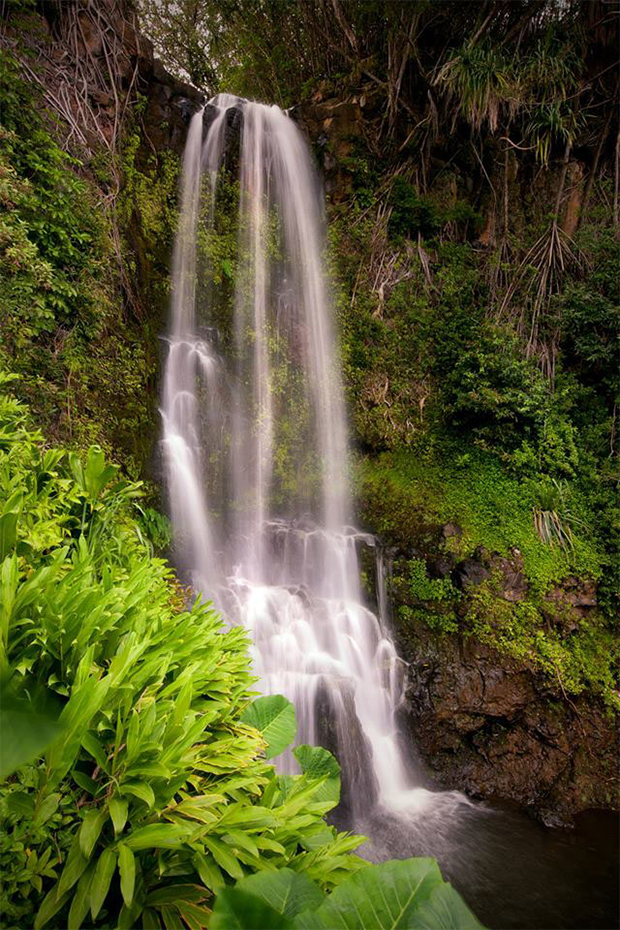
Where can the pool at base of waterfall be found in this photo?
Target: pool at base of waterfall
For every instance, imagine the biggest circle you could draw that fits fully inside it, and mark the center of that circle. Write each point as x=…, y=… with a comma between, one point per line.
x=513, y=872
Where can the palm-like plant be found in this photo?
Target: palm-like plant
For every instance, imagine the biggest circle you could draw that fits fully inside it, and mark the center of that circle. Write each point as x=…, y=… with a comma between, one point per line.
x=553, y=517
x=481, y=80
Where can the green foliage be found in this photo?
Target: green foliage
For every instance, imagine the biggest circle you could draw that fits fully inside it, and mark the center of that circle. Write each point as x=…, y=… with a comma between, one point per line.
x=274, y=717
x=480, y=78
x=86, y=365
x=147, y=212
x=410, y=495
x=35, y=723
x=499, y=398
x=399, y=895
x=435, y=599
x=424, y=588
x=316, y=762
x=154, y=792
x=587, y=660
x=413, y=214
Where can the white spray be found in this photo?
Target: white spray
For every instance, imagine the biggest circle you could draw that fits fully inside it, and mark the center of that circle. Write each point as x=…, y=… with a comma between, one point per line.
x=291, y=577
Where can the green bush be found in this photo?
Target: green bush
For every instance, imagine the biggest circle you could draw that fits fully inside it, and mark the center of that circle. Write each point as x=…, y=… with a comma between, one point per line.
x=143, y=789
x=154, y=792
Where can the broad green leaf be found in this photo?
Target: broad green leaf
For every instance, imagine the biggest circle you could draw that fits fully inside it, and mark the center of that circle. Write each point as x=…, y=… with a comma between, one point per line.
x=446, y=910
x=209, y=872
x=91, y=828
x=159, y=836
x=223, y=856
x=8, y=533
x=140, y=790
x=118, y=812
x=241, y=840
x=195, y=811
x=171, y=918
x=74, y=866
x=20, y=803
x=173, y=894
x=97, y=474
x=245, y=815
x=385, y=896
x=24, y=736
x=81, y=900
x=287, y=892
x=52, y=903
x=150, y=919
x=92, y=745
x=239, y=910
x=274, y=716
x=195, y=916
x=85, y=782
x=102, y=878
x=127, y=870
x=316, y=839
x=128, y=917
x=47, y=809
x=316, y=762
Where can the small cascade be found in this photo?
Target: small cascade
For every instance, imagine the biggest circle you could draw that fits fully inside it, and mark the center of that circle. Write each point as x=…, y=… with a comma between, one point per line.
x=239, y=399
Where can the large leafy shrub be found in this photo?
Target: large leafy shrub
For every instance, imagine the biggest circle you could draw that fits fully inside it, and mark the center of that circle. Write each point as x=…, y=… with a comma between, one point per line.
x=154, y=791
x=392, y=896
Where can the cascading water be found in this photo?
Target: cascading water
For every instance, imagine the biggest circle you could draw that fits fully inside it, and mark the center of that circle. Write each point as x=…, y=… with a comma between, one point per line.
x=281, y=560
x=254, y=441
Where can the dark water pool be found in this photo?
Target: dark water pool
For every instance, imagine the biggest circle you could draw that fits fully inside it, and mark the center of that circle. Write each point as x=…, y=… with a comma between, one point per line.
x=514, y=873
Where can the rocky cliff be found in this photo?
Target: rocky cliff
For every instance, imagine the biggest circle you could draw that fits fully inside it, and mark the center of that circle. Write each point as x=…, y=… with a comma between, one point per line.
x=510, y=690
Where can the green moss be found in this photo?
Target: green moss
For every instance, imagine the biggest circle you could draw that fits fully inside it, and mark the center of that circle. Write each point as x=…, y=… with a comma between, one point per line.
x=83, y=279
x=585, y=659
x=409, y=495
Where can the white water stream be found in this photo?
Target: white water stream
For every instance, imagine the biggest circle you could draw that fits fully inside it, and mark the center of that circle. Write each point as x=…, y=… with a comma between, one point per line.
x=282, y=562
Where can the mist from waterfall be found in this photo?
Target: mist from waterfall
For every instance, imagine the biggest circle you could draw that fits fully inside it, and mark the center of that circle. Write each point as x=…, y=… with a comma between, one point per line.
x=242, y=397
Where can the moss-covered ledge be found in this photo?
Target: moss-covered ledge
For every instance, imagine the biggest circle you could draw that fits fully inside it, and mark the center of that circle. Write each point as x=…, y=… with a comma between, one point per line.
x=512, y=688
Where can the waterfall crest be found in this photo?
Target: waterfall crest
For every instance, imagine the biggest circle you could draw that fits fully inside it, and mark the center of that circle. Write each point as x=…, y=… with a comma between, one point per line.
x=280, y=560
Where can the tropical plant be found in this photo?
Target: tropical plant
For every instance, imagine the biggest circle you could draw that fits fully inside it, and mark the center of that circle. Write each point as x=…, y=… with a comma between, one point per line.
x=151, y=791
x=479, y=80
x=395, y=895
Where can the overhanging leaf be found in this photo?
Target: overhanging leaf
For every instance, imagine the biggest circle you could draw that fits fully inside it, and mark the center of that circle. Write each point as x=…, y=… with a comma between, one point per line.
x=274, y=716
x=287, y=892
x=446, y=910
x=24, y=735
x=316, y=762
x=102, y=878
x=127, y=870
x=385, y=896
x=239, y=910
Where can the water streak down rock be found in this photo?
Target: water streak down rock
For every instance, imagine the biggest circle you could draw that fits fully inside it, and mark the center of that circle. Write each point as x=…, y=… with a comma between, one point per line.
x=288, y=571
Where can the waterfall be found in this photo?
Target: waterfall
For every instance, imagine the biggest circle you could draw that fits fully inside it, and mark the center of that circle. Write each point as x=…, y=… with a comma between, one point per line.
x=245, y=391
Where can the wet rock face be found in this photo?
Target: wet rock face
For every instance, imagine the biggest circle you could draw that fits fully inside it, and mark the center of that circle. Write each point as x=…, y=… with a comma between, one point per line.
x=332, y=125
x=485, y=723
x=170, y=105
x=93, y=57
x=492, y=728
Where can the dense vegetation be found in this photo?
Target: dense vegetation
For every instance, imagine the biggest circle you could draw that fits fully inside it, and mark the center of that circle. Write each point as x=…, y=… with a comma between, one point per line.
x=153, y=791
x=473, y=241
x=71, y=326
x=473, y=211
